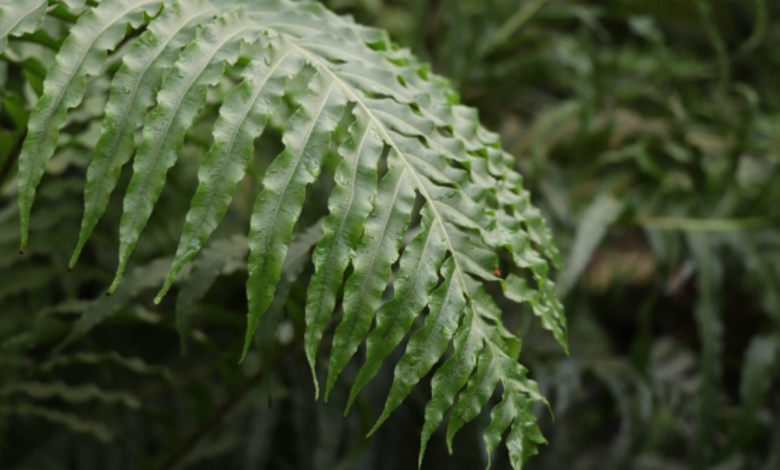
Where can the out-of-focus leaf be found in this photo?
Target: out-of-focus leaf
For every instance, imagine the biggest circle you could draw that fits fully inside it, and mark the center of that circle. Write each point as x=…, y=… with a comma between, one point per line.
x=595, y=221
x=708, y=317
x=70, y=393
x=205, y=271
x=68, y=420
x=758, y=374
x=140, y=279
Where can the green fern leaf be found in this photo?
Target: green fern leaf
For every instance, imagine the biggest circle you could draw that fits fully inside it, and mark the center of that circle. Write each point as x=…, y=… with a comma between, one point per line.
x=350, y=204
x=132, y=93
x=405, y=119
x=596, y=220
x=82, y=55
x=478, y=391
x=450, y=377
x=179, y=103
x=414, y=283
x=524, y=438
x=378, y=250
x=19, y=17
x=243, y=118
x=307, y=141
x=429, y=344
x=294, y=264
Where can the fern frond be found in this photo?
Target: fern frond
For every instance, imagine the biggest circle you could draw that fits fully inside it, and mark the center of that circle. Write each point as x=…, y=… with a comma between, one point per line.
x=378, y=250
x=416, y=279
x=437, y=156
x=294, y=264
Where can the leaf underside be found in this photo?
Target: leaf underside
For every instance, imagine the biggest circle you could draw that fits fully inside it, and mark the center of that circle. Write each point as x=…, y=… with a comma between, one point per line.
x=476, y=225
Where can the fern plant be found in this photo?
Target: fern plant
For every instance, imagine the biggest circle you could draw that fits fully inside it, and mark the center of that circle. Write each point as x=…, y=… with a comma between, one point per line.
x=411, y=153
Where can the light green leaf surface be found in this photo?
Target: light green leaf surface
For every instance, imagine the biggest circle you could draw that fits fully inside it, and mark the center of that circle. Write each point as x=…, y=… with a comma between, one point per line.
x=132, y=93
x=372, y=263
x=82, y=55
x=19, y=17
x=243, y=118
x=179, y=102
x=307, y=141
x=416, y=279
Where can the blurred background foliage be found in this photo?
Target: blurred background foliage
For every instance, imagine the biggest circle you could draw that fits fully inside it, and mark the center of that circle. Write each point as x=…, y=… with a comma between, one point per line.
x=648, y=132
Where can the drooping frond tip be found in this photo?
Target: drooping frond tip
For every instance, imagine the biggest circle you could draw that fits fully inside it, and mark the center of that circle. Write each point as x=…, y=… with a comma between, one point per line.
x=473, y=210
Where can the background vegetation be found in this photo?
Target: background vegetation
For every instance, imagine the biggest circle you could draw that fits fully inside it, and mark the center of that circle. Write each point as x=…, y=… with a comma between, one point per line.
x=647, y=130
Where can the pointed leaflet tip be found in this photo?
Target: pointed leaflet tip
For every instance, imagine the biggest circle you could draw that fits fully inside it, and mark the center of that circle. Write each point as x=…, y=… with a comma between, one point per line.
x=23, y=245
x=329, y=385
x=164, y=290
x=352, y=396
x=422, y=455
x=250, y=333
x=376, y=427
x=74, y=258
x=115, y=284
